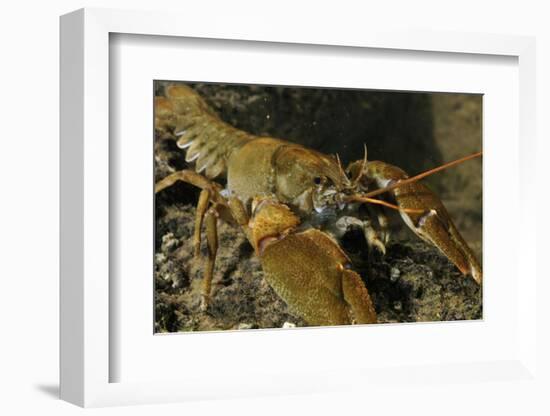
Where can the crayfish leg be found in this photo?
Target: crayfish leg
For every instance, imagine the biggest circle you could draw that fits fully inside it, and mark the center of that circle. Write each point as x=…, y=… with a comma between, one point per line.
x=373, y=237
x=383, y=224
x=211, y=219
x=202, y=206
x=209, y=196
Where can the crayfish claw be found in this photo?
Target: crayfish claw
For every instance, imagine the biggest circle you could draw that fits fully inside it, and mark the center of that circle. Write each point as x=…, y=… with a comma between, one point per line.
x=427, y=217
x=436, y=227
x=307, y=269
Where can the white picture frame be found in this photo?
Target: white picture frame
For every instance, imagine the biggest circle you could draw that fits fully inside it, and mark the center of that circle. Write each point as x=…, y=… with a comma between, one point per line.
x=86, y=355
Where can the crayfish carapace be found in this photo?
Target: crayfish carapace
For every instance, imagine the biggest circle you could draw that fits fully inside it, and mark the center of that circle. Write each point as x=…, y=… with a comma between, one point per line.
x=294, y=203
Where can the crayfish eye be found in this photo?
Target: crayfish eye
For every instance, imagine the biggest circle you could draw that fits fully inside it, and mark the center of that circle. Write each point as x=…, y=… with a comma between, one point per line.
x=317, y=180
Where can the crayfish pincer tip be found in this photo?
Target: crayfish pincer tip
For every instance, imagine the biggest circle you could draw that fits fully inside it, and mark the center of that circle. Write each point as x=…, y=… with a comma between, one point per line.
x=477, y=275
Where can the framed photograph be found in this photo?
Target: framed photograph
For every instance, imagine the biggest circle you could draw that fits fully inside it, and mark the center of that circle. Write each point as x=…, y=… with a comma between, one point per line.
x=283, y=226
x=237, y=210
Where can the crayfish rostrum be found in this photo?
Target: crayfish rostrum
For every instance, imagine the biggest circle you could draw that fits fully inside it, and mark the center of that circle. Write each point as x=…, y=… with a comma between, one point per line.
x=294, y=205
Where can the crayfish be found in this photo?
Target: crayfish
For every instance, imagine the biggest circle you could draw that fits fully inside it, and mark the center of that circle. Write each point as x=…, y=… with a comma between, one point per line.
x=294, y=203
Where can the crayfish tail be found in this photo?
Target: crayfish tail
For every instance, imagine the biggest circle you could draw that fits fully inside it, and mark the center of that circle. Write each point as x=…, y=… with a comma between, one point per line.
x=184, y=116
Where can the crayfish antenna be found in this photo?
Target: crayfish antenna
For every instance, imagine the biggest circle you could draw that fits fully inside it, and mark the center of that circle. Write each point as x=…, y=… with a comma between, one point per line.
x=406, y=180
x=362, y=168
x=363, y=198
x=341, y=170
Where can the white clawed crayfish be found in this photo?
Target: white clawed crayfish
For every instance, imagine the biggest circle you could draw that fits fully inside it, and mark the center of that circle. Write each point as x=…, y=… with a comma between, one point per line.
x=294, y=203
